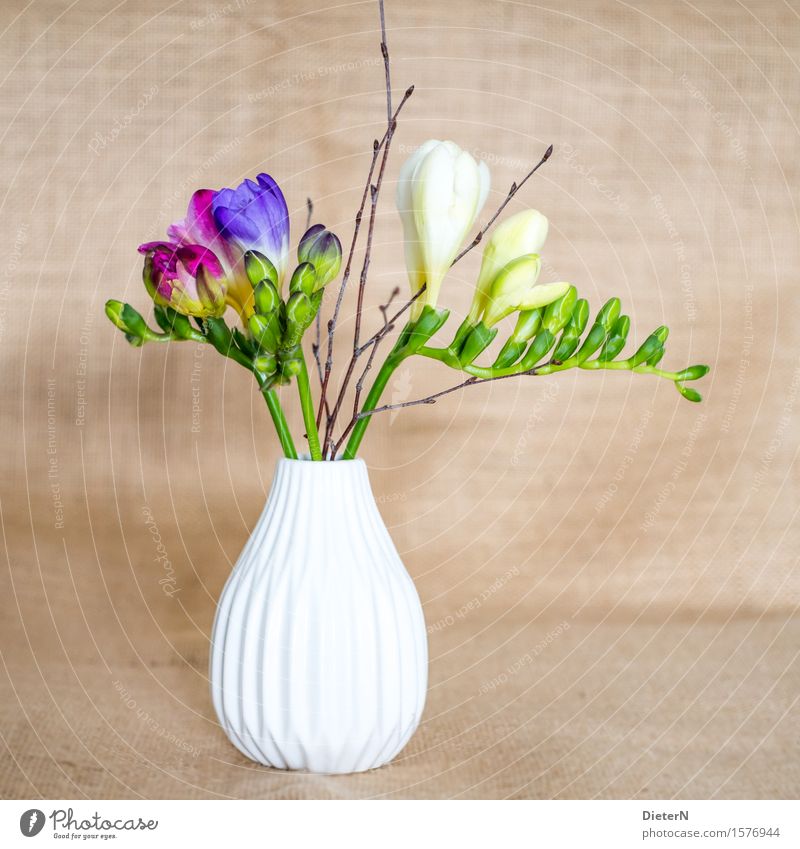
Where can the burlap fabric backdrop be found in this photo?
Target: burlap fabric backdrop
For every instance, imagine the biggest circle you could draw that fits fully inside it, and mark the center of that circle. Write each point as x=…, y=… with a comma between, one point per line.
x=608, y=571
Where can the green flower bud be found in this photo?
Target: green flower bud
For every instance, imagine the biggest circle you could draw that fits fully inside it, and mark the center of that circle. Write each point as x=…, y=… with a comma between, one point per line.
x=608, y=314
x=464, y=329
x=509, y=353
x=303, y=279
x=323, y=250
x=571, y=336
x=559, y=312
x=219, y=334
x=291, y=362
x=264, y=332
x=528, y=324
x=266, y=364
x=266, y=297
x=651, y=346
x=594, y=339
x=478, y=341
x=689, y=393
x=298, y=309
x=543, y=342
x=127, y=319
x=616, y=339
x=693, y=372
x=259, y=267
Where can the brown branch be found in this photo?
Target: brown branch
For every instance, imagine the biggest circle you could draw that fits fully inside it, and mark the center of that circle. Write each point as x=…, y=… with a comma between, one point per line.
x=389, y=325
x=515, y=187
x=431, y=399
x=315, y=348
x=375, y=191
x=309, y=212
x=376, y=149
x=386, y=65
x=375, y=341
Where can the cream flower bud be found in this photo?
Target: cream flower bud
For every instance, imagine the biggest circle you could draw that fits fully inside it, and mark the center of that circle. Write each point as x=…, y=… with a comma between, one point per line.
x=515, y=288
x=440, y=191
x=523, y=233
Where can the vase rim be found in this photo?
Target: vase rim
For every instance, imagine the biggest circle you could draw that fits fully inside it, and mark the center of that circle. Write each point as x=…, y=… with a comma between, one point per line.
x=305, y=460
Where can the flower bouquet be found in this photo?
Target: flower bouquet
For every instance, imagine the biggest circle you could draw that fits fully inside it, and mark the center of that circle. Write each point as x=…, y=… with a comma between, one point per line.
x=319, y=654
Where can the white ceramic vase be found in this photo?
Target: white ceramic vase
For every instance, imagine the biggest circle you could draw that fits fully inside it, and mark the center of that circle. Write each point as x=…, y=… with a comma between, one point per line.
x=319, y=655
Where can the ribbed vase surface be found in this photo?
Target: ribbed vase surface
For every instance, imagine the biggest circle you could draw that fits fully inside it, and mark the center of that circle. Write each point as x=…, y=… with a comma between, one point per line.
x=319, y=652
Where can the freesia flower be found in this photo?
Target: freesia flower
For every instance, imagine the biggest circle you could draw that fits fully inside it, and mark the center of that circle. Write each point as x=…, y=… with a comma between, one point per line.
x=521, y=234
x=254, y=217
x=440, y=192
x=230, y=222
x=188, y=278
x=516, y=288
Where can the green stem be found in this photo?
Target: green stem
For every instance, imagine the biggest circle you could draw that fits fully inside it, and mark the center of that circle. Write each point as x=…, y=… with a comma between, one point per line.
x=281, y=425
x=445, y=356
x=374, y=396
x=307, y=405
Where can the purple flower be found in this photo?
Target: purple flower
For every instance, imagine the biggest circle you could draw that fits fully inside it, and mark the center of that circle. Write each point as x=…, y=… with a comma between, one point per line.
x=204, y=253
x=189, y=278
x=254, y=217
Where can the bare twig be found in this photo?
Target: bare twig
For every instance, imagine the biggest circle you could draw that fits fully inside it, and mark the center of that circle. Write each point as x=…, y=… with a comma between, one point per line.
x=386, y=64
x=389, y=325
x=375, y=341
x=375, y=191
x=315, y=348
x=515, y=187
x=376, y=149
x=310, y=212
x=431, y=399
